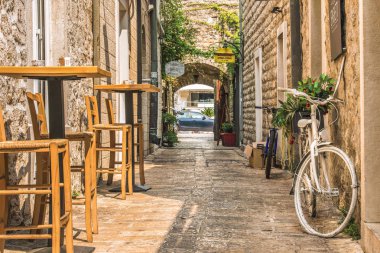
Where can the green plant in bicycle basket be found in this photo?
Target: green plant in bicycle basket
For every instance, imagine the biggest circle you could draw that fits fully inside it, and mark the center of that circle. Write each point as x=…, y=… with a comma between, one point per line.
x=321, y=88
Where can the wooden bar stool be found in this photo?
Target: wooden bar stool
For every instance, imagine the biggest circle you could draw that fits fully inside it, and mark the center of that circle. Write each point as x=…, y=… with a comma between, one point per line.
x=90, y=195
x=140, y=143
x=126, y=147
x=53, y=148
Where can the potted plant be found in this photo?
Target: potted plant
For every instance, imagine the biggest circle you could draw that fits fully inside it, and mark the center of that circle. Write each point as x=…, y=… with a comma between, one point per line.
x=169, y=136
x=227, y=135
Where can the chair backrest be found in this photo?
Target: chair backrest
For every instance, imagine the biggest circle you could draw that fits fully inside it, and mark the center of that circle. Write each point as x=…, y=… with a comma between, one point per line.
x=92, y=111
x=111, y=115
x=38, y=115
x=2, y=126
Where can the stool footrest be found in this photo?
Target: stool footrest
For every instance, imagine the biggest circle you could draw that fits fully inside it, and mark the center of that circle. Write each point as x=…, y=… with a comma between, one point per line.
x=16, y=192
x=109, y=149
x=28, y=186
x=78, y=201
x=46, y=226
x=25, y=236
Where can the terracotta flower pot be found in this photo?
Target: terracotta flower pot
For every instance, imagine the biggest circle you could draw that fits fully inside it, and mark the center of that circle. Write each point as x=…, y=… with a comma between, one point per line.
x=228, y=139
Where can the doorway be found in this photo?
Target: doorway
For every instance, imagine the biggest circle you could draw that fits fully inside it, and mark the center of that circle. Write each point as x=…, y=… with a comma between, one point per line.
x=123, y=55
x=281, y=60
x=259, y=93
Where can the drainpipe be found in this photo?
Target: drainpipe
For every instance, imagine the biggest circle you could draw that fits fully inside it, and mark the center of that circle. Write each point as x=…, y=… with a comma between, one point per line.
x=296, y=41
x=296, y=49
x=154, y=75
x=239, y=99
x=139, y=59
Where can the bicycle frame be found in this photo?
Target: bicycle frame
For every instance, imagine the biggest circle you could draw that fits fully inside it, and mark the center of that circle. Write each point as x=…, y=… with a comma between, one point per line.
x=314, y=142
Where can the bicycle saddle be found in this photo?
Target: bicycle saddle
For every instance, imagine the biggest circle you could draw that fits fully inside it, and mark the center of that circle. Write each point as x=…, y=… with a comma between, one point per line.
x=302, y=123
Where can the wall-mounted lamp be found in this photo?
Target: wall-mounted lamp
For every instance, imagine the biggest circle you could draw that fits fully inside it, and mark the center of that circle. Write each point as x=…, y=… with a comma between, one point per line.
x=276, y=10
x=161, y=40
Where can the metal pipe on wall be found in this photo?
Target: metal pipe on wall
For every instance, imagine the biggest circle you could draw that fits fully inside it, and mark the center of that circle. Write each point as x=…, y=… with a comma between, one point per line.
x=139, y=57
x=153, y=124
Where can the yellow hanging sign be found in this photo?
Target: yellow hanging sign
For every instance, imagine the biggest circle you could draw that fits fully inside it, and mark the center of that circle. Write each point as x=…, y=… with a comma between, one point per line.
x=224, y=55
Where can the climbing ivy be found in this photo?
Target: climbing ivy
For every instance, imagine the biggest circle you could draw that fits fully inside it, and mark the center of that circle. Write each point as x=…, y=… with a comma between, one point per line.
x=179, y=37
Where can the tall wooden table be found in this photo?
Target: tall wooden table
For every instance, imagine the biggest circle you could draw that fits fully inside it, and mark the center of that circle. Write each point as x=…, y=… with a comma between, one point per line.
x=128, y=90
x=55, y=77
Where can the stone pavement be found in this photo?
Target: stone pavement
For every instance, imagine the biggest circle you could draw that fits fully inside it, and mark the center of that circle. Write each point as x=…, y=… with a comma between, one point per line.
x=203, y=199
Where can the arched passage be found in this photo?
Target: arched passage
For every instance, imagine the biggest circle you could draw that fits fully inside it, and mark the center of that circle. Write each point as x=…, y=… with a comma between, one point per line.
x=206, y=74
x=200, y=73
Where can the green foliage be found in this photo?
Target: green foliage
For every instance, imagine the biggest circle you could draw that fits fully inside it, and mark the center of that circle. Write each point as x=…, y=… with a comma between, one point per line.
x=75, y=194
x=169, y=119
x=321, y=88
x=209, y=112
x=228, y=25
x=170, y=137
x=285, y=114
x=227, y=127
x=179, y=37
x=352, y=228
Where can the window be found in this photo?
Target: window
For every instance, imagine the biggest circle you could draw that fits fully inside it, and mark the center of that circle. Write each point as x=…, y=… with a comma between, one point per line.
x=281, y=59
x=202, y=97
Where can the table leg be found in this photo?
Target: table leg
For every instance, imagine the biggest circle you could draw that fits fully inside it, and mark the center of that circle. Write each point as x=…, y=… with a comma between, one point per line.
x=129, y=115
x=57, y=131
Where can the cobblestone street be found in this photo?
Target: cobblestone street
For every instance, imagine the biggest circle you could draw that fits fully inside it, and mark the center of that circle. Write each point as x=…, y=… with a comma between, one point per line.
x=203, y=199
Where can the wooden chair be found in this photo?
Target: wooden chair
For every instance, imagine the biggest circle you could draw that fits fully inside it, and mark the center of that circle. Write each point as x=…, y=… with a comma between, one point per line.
x=90, y=195
x=53, y=148
x=140, y=143
x=126, y=147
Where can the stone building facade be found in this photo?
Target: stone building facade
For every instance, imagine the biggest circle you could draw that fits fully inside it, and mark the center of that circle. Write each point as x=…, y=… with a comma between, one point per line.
x=263, y=31
x=309, y=54
x=90, y=33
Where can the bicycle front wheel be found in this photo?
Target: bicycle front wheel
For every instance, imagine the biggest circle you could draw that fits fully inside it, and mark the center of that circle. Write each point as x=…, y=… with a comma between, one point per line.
x=326, y=212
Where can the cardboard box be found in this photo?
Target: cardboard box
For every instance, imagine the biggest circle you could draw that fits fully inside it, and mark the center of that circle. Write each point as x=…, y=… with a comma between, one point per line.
x=255, y=154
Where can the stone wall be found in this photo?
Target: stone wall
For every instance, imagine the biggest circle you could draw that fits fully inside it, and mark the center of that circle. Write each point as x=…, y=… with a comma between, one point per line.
x=260, y=31
x=13, y=49
x=204, y=17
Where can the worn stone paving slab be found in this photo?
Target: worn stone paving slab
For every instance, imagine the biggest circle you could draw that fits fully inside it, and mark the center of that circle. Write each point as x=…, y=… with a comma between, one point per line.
x=203, y=199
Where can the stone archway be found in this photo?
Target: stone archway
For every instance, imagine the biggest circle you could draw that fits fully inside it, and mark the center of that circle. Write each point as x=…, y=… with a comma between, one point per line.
x=202, y=73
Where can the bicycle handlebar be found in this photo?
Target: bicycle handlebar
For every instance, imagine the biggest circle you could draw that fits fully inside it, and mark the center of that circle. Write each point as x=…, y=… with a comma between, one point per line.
x=298, y=93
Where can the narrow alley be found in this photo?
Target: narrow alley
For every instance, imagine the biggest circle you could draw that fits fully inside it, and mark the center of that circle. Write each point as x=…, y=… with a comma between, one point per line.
x=204, y=199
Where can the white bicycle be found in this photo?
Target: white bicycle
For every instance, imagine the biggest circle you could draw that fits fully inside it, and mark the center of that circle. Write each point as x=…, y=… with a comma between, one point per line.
x=325, y=185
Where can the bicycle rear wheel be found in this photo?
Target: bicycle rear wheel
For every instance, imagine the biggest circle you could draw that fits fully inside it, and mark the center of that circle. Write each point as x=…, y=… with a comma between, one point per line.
x=328, y=212
x=269, y=157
